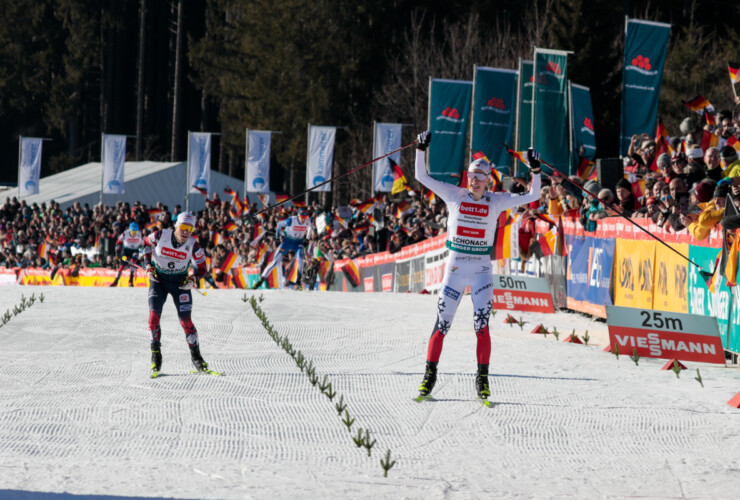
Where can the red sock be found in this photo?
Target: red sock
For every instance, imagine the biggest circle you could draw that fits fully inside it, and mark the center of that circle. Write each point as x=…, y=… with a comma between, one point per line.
x=435, y=346
x=483, y=350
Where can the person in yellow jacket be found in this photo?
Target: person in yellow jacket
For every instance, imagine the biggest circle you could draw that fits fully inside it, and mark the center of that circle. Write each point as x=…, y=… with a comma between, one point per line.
x=712, y=214
x=729, y=161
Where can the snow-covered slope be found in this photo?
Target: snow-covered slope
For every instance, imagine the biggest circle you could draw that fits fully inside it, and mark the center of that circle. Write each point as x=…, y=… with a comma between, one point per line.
x=79, y=415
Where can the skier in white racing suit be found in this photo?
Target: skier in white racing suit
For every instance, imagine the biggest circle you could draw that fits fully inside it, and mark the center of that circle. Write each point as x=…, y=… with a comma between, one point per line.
x=168, y=254
x=470, y=233
x=127, y=249
x=294, y=229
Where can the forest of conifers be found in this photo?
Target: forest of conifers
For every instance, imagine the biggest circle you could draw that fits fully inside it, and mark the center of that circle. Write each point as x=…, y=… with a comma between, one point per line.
x=156, y=69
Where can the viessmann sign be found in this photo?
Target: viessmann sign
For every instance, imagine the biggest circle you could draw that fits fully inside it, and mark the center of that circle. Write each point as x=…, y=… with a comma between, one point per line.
x=662, y=334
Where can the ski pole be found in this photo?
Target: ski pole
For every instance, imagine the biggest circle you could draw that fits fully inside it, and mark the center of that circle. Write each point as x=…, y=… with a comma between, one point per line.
x=335, y=178
x=558, y=173
x=124, y=258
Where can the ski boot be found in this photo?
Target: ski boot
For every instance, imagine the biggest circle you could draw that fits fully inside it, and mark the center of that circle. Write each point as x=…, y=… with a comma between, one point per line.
x=156, y=359
x=198, y=361
x=430, y=378
x=115, y=282
x=258, y=284
x=481, y=382
x=131, y=282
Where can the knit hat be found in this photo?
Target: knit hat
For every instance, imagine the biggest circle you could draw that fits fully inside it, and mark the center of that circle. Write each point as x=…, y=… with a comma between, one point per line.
x=624, y=183
x=703, y=190
x=721, y=191
x=664, y=160
x=728, y=153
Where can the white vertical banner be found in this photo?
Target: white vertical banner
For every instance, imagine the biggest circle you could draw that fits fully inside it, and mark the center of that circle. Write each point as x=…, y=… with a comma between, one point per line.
x=199, y=161
x=387, y=139
x=114, y=157
x=258, y=161
x=29, y=166
x=320, y=156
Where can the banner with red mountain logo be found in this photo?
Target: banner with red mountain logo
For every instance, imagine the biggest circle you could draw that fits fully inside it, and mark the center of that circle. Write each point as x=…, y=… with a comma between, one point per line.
x=494, y=102
x=645, y=47
x=449, y=115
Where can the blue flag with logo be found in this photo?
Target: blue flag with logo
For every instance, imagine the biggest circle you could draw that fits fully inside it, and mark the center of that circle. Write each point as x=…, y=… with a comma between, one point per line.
x=494, y=100
x=257, y=171
x=645, y=47
x=387, y=138
x=449, y=115
x=550, y=127
x=582, y=121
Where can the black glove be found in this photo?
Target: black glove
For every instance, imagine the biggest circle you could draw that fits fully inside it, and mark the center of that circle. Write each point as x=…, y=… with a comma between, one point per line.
x=533, y=158
x=423, y=140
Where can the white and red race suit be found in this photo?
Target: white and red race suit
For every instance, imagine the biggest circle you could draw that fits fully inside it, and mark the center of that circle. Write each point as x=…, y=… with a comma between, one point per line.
x=471, y=228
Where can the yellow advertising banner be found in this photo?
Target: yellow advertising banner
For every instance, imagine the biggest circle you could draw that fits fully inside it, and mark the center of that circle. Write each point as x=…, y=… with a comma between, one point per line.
x=634, y=264
x=670, y=291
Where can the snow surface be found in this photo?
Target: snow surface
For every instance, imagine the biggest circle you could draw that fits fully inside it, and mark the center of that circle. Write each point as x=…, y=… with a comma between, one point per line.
x=79, y=415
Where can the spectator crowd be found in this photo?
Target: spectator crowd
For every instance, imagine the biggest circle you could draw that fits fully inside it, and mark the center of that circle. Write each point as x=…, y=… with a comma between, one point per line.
x=682, y=187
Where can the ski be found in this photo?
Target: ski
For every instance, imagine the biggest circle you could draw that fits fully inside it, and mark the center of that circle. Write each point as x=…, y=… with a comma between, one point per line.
x=486, y=403
x=422, y=397
x=207, y=372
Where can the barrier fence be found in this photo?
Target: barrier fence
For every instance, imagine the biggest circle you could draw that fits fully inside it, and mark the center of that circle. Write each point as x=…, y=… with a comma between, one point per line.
x=615, y=265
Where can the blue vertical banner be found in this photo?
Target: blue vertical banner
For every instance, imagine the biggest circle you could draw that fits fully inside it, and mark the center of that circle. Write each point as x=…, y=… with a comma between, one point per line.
x=645, y=48
x=494, y=102
x=320, y=156
x=449, y=115
x=582, y=123
x=550, y=124
x=114, y=159
x=387, y=138
x=199, y=161
x=29, y=165
x=257, y=172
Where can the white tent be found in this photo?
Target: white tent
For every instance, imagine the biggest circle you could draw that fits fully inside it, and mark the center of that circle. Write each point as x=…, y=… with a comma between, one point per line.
x=145, y=181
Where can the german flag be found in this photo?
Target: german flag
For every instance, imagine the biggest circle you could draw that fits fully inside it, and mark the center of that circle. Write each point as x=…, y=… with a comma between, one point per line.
x=217, y=239
x=519, y=155
x=263, y=199
x=399, y=180
x=402, y=209
x=662, y=144
x=547, y=243
x=366, y=205
x=43, y=249
x=201, y=191
x=281, y=198
x=734, y=69
x=230, y=191
x=709, y=117
x=228, y=262
x=712, y=279
x=261, y=252
x=239, y=280
x=273, y=279
x=698, y=104
x=299, y=204
x=730, y=270
x=152, y=225
x=430, y=196
x=732, y=141
x=325, y=269
x=230, y=226
x=502, y=239
x=292, y=272
x=154, y=212
x=352, y=273
x=708, y=140
x=585, y=169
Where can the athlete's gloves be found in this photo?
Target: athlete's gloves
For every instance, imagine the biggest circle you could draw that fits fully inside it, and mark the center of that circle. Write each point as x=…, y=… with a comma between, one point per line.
x=423, y=140
x=533, y=158
x=151, y=272
x=188, y=283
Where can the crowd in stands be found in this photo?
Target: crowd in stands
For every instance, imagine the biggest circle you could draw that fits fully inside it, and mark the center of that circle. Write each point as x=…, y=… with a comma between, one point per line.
x=47, y=237
x=684, y=190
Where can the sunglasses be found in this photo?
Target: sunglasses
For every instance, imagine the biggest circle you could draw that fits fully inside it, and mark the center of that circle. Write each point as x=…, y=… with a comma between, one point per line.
x=477, y=176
